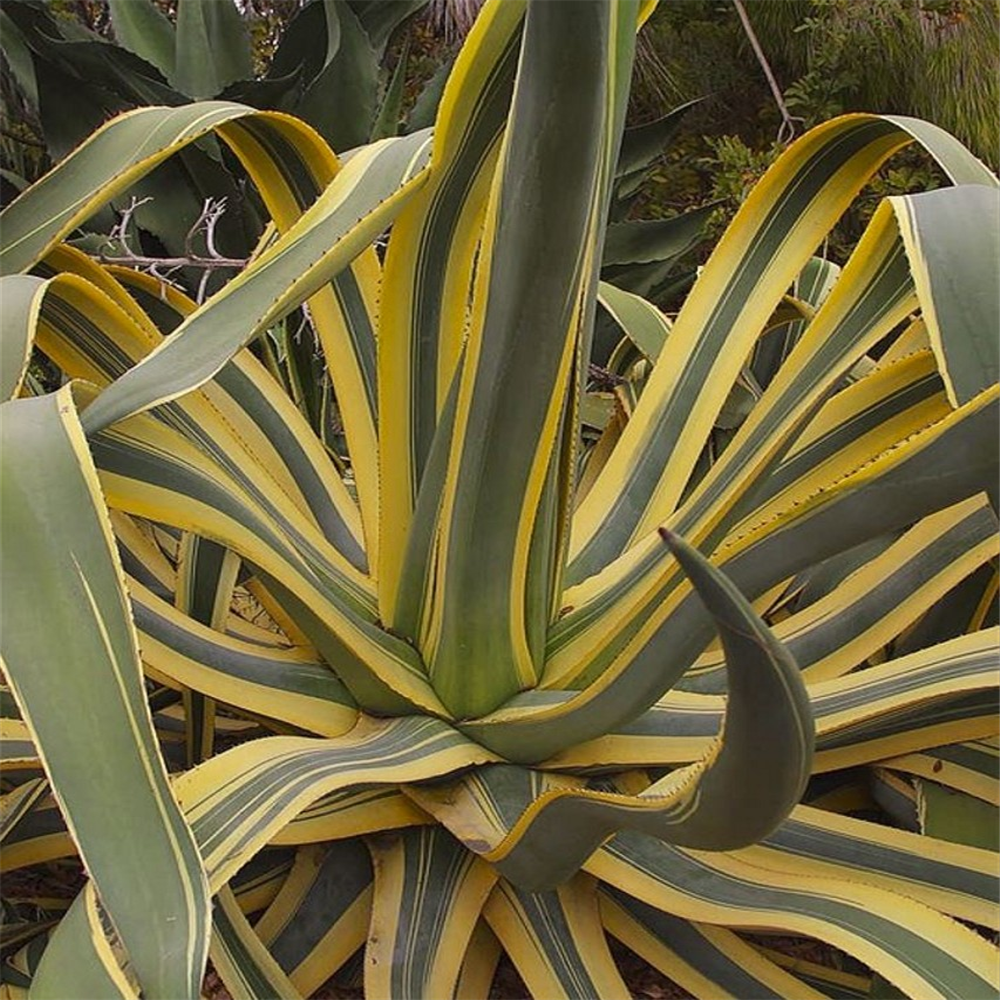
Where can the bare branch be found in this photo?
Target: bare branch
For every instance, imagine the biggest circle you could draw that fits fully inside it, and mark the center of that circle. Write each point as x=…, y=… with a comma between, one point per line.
x=214, y=214
x=172, y=263
x=787, y=130
x=202, y=286
x=121, y=231
x=163, y=268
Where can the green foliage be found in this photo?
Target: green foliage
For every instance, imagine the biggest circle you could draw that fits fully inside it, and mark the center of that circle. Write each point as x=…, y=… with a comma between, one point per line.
x=932, y=60
x=935, y=59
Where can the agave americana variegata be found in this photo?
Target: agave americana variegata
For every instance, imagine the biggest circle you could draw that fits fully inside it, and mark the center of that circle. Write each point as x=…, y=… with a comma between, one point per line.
x=488, y=707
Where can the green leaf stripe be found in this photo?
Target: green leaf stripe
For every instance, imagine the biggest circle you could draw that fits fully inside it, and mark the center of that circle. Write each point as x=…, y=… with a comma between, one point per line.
x=321, y=914
x=849, y=711
x=929, y=955
x=20, y=301
x=110, y=161
x=277, y=683
x=698, y=957
x=429, y=891
x=349, y=813
x=959, y=308
x=830, y=636
x=743, y=787
x=556, y=940
x=244, y=964
x=738, y=290
x=237, y=800
x=908, y=393
x=956, y=879
x=92, y=338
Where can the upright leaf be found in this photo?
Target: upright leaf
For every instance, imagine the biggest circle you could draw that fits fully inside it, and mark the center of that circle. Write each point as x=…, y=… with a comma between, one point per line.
x=538, y=266
x=429, y=263
x=212, y=48
x=141, y=27
x=340, y=101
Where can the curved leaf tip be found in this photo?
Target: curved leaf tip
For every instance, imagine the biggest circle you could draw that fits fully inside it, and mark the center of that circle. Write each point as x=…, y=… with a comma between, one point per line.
x=764, y=757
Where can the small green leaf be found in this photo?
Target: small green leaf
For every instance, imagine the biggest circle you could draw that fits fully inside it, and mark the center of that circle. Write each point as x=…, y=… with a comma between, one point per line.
x=390, y=111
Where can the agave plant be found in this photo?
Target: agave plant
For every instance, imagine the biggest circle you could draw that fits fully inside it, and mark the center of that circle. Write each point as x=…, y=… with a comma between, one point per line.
x=462, y=697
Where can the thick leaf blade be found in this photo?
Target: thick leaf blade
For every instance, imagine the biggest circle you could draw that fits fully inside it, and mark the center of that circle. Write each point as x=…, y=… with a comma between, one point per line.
x=659, y=241
x=642, y=144
x=508, y=431
x=240, y=800
x=960, y=304
x=639, y=320
x=390, y=110
x=244, y=964
x=953, y=878
x=78, y=962
x=893, y=708
x=739, y=792
x=869, y=609
x=429, y=262
x=705, y=960
x=923, y=952
x=286, y=684
x=362, y=198
x=17, y=330
x=149, y=470
x=763, y=251
x=143, y=29
x=18, y=56
x=290, y=773
x=429, y=892
x=108, y=163
x=242, y=417
x=765, y=758
x=64, y=537
x=340, y=101
x=555, y=939
x=320, y=916
x=380, y=19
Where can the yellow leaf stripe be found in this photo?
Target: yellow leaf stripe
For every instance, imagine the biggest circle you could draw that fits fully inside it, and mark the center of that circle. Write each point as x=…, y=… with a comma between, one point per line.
x=238, y=800
x=429, y=892
x=924, y=953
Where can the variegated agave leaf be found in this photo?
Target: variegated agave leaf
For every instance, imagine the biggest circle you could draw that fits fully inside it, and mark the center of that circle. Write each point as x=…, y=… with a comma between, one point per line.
x=486, y=684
